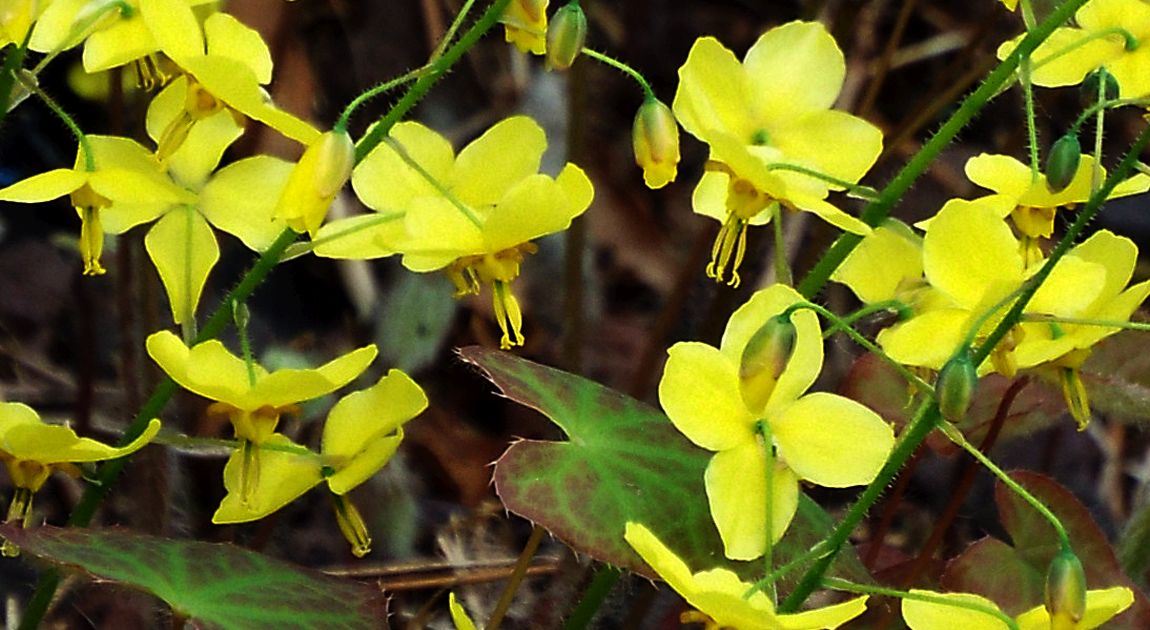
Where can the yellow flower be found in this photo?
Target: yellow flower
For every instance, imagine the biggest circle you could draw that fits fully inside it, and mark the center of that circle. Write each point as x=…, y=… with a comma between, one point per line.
x=1101, y=606
x=655, y=140
x=126, y=177
x=719, y=593
x=525, y=25
x=823, y=438
x=16, y=19
x=1110, y=33
x=770, y=112
x=473, y=215
x=32, y=450
x=322, y=171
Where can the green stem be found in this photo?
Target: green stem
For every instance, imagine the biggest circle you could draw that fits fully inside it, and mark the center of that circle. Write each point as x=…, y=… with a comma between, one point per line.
x=764, y=429
x=597, y=591
x=342, y=122
x=81, y=138
x=1085, y=321
x=306, y=247
x=956, y=436
x=516, y=578
x=241, y=316
x=782, y=264
x=451, y=30
x=866, y=589
x=878, y=210
x=862, y=192
x=1031, y=128
x=430, y=77
x=648, y=91
x=401, y=151
x=841, y=324
x=1099, y=120
x=901, y=309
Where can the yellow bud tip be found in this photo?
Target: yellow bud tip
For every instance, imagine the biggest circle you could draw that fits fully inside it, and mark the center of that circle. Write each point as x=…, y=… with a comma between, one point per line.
x=655, y=140
x=321, y=172
x=566, y=36
x=764, y=359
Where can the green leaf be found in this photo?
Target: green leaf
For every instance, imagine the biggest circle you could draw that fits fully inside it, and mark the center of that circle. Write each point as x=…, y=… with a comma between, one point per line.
x=413, y=320
x=624, y=461
x=1013, y=576
x=214, y=585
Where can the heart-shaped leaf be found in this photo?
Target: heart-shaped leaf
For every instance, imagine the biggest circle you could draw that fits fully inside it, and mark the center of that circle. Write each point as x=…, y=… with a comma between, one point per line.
x=213, y=585
x=623, y=461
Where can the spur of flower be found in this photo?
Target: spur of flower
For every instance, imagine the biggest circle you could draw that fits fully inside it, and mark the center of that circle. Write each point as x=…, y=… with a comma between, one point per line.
x=1110, y=34
x=720, y=598
x=775, y=143
x=747, y=401
x=474, y=214
x=32, y=449
x=1101, y=606
x=362, y=432
x=106, y=190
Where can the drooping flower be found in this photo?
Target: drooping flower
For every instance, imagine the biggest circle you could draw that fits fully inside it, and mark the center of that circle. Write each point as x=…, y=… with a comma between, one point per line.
x=32, y=450
x=655, y=141
x=124, y=171
x=770, y=130
x=474, y=215
x=322, y=171
x=1101, y=606
x=719, y=399
x=1110, y=33
x=719, y=594
x=362, y=432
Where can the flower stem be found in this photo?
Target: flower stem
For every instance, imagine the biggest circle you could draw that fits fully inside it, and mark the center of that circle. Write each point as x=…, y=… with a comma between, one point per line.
x=69, y=122
x=862, y=192
x=878, y=210
x=867, y=589
x=648, y=91
x=516, y=578
x=451, y=30
x=342, y=122
x=13, y=61
x=782, y=265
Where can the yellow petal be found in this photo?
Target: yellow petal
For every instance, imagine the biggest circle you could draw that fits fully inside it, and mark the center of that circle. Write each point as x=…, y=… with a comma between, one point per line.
x=832, y=441
x=924, y=615
x=174, y=27
x=228, y=37
x=699, y=391
x=713, y=91
x=438, y=234
x=927, y=339
x=737, y=495
x=366, y=415
x=385, y=181
x=794, y=69
x=504, y=155
x=1070, y=288
x=1066, y=56
x=362, y=237
x=235, y=84
x=955, y=230
x=805, y=141
x=45, y=186
x=886, y=260
x=831, y=214
x=125, y=40
x=183, y=248
x=826, y=617
x=535, y=207
x=51, y=444
x=1101, y=606
x=459, y=616
x=240, y=199
x=282, y=477
x=288, y=386
x=208, y=369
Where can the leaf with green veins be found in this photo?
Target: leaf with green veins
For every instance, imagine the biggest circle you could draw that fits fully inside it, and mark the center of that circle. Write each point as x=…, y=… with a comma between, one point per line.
x=624, y=461
x=1014, y=576
x=214, y=585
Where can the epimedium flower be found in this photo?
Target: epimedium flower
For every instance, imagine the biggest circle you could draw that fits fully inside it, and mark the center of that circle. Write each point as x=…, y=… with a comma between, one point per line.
x=226, y=64
x=771, y=131
x=32, y=450
x=362, y=432
x=719, y=594
x=325, y=167
x=525, y=25
x=766, y=425
x=122, y=170
x=1028, y=200
x=17, y=18
x=655, y=141
x=473, y=215
x=1110, y=34
x=1101, y=606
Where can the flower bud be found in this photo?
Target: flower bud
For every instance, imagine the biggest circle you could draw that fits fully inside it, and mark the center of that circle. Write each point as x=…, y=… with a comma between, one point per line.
x=525, y=25
x=325, y=167
x=565, y=36
x=655, y=139
x=1065, y=590
x=1091, y=84
x=955, y=386
x=1062, y=163
x=764, y=359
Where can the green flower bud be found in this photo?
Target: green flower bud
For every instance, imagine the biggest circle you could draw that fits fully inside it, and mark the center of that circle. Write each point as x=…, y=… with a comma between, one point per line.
x=565, y=36
x=655, y=139
x=1062, y=163
x=325, y=167
x=955, y=386
x=1065, y=590
x=1090, y=85
x=764, y=359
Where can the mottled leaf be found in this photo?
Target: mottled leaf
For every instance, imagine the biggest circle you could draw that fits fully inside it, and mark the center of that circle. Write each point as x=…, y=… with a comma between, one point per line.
x=214, y=585
x=1014, y=575
x=624, y=461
